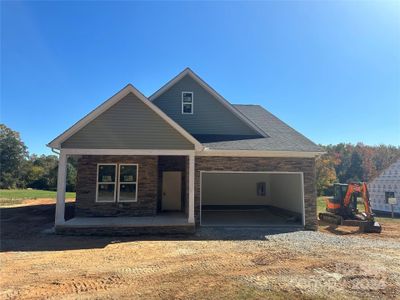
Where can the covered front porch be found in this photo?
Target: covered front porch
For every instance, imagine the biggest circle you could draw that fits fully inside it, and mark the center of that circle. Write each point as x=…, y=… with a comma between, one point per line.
x=146, y=213
x=171, y=223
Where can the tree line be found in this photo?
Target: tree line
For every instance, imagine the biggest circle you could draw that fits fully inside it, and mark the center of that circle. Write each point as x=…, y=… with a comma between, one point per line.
x=341, y=163
x=18, y=169
x=346, y=163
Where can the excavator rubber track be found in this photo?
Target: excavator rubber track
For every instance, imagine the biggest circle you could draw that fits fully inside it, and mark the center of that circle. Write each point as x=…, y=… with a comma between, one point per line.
x=330, y=218
x=364, y=226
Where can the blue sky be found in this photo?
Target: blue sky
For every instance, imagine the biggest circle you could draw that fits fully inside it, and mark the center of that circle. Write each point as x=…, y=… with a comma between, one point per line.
x=329, y=69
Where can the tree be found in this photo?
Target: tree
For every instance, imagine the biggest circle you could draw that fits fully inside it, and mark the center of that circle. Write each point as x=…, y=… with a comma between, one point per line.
x=72, y=167
x=355, y=172
x=325, y=173
x=13, y=153
x=43, y=172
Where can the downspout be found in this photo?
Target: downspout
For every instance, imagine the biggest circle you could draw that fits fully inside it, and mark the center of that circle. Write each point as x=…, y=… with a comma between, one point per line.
x=54, y=151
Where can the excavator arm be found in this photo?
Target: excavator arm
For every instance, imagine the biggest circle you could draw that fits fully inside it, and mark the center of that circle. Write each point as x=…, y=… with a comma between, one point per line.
x=351, y=188
x=363, y=190
x=365, y=196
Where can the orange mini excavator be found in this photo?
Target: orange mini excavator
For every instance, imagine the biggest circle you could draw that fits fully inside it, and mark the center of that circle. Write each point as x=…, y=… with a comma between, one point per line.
x=341, y=209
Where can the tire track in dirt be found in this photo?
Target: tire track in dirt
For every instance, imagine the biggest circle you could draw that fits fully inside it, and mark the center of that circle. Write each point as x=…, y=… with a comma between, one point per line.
x=66, y=287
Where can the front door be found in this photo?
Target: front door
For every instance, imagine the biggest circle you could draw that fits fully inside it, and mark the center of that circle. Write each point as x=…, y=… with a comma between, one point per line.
x=171, y=190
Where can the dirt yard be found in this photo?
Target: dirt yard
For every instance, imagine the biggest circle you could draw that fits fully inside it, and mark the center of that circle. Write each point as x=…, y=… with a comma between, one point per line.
x=334, y=263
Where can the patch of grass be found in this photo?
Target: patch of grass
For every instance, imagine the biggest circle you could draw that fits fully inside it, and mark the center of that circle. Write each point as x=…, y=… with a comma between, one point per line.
x=321, y=204
x=387, y=219
x=18, y=195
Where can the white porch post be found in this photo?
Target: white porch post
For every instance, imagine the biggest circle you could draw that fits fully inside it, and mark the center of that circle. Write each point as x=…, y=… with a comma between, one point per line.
x=61, y=185
x=191, y=188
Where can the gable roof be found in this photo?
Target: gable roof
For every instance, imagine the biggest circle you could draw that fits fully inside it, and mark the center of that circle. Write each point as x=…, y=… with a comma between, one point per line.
x=56, y=143
x=210, y=90
x=279, y=136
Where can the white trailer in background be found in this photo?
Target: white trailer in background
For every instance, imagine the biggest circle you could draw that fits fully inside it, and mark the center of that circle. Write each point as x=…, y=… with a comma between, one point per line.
x=385, y=189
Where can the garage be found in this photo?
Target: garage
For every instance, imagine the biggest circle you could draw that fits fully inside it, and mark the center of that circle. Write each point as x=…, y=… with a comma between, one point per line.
x=251, y=198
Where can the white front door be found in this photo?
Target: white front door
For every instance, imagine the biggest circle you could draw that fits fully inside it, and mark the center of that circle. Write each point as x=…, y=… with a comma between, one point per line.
x=171, y=190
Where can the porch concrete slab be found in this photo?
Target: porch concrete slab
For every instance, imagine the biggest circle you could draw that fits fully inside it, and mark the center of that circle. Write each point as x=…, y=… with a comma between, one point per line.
x=245, y=218
x=167, y=219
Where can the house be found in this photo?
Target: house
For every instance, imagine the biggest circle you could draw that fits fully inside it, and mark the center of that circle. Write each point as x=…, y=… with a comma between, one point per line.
x=385, y=186
x=182, y=158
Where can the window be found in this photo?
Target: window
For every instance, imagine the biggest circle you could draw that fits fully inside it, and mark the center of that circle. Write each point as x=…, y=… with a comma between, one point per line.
x=187, y=102
x=127, y=185
x=116, y=179
x=388, y=195
x=106, y=181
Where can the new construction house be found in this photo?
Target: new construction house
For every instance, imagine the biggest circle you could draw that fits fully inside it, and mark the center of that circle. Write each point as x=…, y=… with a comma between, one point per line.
x=182, y=158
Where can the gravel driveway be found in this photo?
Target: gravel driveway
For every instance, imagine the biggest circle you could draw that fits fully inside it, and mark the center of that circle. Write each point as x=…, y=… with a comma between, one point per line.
x=216, y=263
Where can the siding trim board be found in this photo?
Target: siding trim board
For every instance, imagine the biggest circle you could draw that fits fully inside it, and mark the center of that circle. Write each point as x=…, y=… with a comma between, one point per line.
x=57, y=142
x=224, y=153
x=81, y=151
x=252, y=153
x=213, y=92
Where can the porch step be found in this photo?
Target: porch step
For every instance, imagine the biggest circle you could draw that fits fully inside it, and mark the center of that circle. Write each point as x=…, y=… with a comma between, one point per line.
x=124, y=230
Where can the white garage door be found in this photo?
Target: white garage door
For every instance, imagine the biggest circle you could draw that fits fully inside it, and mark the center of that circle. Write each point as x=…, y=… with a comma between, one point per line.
x=251, y=198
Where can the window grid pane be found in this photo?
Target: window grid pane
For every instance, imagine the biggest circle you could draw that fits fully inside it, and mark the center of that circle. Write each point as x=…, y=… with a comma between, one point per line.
x=187, y=97
x=106, y=182
x=127, y=186
x=106, y=192
x=106, y=173
x=187, y=108
x=127, y=192
x=127, y=173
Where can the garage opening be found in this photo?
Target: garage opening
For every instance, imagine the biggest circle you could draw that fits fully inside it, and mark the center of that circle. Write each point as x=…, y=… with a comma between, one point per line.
x=251, y=199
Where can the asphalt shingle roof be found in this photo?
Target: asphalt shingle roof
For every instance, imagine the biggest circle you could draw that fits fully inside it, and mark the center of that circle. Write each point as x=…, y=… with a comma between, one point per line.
x=281, y=137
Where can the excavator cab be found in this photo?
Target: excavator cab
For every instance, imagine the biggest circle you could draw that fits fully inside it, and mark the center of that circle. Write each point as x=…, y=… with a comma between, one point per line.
x=335, y=204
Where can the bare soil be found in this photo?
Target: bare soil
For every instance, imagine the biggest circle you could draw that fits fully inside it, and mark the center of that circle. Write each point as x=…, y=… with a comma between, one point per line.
x=335, y=263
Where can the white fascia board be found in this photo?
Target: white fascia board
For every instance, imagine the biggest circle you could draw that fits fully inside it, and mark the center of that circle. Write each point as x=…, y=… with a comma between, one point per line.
x=251, y=153
x=79, y=151
x=210, y=90
x=56, y=143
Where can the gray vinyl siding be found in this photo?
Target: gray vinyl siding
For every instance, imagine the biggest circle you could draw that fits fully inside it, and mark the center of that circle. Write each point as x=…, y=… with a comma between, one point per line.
x=128, y=124
x=209, y=115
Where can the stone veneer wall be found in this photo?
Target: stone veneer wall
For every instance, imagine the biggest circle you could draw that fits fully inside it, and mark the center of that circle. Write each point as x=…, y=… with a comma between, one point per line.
x=146, y=204
x=305, y=165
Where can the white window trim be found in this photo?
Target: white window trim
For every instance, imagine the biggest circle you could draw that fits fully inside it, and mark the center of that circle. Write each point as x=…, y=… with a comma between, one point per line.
x=97, y=182
x=135, y=182
x=185, y=113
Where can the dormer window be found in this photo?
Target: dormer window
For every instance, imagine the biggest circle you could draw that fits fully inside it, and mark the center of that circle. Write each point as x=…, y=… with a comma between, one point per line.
x=187, y=103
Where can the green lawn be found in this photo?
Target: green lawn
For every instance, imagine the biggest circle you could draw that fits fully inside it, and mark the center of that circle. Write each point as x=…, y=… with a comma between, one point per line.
x=321, y=204
x=9, y=197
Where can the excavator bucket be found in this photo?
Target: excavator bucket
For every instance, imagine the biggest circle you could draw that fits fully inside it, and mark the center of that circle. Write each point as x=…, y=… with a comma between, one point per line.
x=370, y=227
